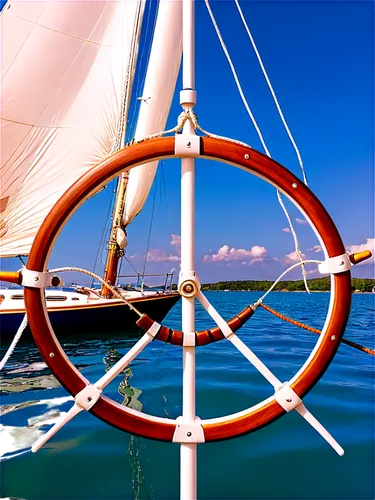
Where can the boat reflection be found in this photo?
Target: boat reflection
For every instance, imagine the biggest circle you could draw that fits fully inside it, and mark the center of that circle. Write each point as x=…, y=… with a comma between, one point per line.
x=17, y=440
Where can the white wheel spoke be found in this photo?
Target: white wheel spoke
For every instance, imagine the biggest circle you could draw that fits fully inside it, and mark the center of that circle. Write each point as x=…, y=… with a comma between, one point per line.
x=255, y=361
x=221, y=323
x=289, y=400
x=246, y=351
x=124, y=361
x=309, y=417
x=91, y=393
x=74, y=410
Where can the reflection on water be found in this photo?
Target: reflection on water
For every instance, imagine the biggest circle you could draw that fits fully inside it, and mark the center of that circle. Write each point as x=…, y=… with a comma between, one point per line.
x=123, y=467
x=22, y=384
x=131, y=394
x=16, y=439
x=140, y=485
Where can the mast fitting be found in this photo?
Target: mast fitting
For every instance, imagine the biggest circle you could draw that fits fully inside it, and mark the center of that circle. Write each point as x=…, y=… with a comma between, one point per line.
x=187, y=145
x=188, y=98
x=188, y=432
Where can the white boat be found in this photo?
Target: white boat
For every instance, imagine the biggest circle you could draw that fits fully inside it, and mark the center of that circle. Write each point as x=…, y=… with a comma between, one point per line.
x=66, y=112
x=188, y=430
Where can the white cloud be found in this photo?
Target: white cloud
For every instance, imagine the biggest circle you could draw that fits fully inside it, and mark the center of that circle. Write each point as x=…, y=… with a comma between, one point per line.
x=291, y=258
x=315, y=248
x=225, y=254
x=176, y=242
x=286, y=230
x=369, y=245
x=313, y=272
x=301, y=221
x=157, y=255
x=258, y=260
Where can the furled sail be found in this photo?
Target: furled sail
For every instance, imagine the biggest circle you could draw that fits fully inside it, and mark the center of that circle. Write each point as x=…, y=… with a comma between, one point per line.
x=64, y=68
x=160, y=83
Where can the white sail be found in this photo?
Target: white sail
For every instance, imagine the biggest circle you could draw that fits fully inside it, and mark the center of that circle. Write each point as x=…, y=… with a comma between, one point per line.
x=160, y=82
x=64, y=65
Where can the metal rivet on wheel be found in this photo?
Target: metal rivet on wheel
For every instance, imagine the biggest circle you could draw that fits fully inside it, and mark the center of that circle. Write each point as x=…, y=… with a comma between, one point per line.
x=294, y=185
x=188, y=434
x=247, y=156
x=288, y=400
x=51, y=354
x=333, y=337
x=89, y=399
x=36, y=278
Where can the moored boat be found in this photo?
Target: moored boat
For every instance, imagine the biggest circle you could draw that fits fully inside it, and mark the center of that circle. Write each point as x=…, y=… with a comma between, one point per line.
x=85, y=310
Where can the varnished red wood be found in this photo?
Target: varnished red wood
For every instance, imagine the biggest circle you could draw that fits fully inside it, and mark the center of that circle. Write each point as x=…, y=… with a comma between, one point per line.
x=145, y=322
x=356, y=258
x=203, y=337
x=228, y=152
x=11, y=277
x=110, y=272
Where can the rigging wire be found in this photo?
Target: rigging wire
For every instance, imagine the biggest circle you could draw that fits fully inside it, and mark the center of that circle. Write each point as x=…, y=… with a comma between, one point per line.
x=149, y=233
x=141, y=80
x=131, y=264
x=161, y=165
x=265, y=74
x=260, y=135
x=104, y=232
x=119, y=272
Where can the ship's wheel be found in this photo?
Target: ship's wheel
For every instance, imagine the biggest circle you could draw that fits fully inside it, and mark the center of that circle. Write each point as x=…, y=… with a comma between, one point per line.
x=285, y=397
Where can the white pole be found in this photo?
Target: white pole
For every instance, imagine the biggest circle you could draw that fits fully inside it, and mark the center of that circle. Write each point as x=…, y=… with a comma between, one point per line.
x=188, y=452
x=188, y=44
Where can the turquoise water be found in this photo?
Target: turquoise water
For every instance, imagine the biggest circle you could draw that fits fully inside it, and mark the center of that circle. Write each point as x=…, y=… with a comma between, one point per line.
x=87, y=459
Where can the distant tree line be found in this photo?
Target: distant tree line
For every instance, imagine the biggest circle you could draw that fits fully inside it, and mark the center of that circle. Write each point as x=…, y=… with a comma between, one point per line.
x=316, y=284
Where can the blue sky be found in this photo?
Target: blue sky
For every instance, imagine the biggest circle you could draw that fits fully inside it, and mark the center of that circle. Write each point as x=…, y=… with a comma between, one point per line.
x=320, y=58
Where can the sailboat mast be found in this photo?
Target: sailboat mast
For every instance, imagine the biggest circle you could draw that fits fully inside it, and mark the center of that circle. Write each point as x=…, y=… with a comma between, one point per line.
x=114, y=251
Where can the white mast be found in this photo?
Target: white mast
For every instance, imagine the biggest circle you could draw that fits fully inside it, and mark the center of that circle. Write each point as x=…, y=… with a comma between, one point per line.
x=188, y=453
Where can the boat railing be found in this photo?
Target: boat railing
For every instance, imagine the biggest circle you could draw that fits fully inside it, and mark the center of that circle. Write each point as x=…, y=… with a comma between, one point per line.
x=140, y=281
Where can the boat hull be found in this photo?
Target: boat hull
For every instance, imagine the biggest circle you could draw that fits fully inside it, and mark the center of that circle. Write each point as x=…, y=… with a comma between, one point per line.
x=109, y=317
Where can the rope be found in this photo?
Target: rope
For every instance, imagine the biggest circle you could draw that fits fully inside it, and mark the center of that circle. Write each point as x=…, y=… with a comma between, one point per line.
x=295, y=238
x=93, y=275
x=14, y=343
x=236, y=79
x=259, y=301
x=315, y=330
x=246, y=104
x=24, y=322
x=180, y=123
x=273, y=94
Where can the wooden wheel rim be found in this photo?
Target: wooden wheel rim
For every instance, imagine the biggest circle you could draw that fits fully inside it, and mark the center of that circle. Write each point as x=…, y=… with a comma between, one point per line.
x=216, y=149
